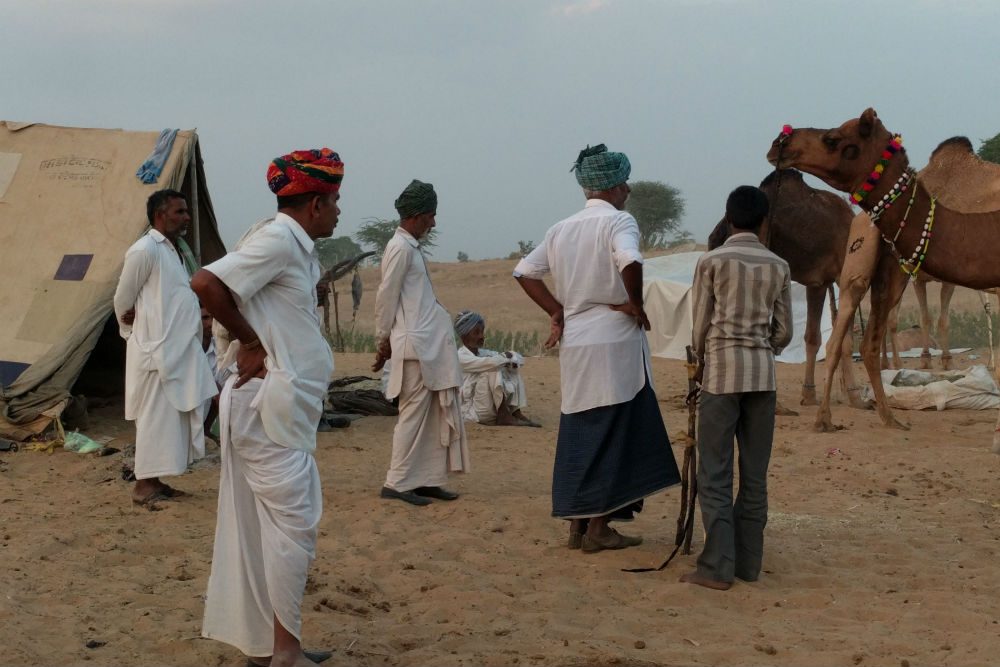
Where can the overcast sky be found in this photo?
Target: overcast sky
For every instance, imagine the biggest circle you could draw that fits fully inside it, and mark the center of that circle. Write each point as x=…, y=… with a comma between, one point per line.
x=492, y=100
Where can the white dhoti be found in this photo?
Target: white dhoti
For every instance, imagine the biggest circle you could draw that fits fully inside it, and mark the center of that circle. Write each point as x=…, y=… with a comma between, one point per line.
x=429, y=438
x=166, y=439
x=483, y=394
x=270, y=504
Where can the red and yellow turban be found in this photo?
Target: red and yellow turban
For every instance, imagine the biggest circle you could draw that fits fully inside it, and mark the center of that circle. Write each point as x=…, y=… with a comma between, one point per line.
x=314, y=170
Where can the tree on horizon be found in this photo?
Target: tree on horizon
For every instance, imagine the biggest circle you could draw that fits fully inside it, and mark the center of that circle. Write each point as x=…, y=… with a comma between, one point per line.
x=376, y=233
x=658, y=208
x=989, y=149
x=334, y=250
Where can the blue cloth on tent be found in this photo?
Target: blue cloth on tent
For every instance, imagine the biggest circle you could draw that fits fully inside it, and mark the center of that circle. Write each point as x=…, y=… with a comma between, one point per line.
x=150, y=170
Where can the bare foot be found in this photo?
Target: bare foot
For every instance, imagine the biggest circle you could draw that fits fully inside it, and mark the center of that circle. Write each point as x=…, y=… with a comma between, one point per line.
x=144, y=488
x=171, y=492
x=694, y=578
x=781, y=411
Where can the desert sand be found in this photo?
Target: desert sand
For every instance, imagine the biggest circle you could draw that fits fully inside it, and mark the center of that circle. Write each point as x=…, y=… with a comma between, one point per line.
x=881, y=548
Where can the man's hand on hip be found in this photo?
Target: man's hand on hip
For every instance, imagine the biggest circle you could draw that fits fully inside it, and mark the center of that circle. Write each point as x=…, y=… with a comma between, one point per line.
x=635, y=311
x=250, y=364
x=556, y=322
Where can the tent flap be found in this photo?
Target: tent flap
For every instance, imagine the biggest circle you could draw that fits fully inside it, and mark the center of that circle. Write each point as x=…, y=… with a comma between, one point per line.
x=70, y=207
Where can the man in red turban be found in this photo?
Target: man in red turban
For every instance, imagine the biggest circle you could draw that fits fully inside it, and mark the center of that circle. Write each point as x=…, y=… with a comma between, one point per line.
x=314, y=171
x=270, y=501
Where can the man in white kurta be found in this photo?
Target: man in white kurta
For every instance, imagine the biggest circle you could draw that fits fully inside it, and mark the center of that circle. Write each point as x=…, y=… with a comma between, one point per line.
x=415, y=331
x=167, y=377
x=270, y=500
x=493, y=391
x=612, y=450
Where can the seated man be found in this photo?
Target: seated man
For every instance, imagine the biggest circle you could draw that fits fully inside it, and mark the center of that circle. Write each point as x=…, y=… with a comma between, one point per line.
x=492, y=388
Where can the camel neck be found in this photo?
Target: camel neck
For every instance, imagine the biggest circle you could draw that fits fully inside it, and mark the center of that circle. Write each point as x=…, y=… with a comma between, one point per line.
x=894, y=170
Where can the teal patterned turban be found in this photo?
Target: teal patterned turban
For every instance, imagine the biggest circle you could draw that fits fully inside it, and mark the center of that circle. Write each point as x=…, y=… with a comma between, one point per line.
x=599, y=169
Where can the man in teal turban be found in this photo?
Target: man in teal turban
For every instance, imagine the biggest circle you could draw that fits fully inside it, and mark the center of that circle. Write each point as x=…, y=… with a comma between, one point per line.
x=415, y=332
x=418, y=197
x=612, y=450
x=598, y=169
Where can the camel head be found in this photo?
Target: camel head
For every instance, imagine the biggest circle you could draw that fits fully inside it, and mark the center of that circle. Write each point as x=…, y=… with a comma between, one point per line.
x=842, y=157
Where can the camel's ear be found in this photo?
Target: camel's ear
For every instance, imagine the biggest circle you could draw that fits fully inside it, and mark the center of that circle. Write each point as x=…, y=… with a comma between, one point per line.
x=867, y=122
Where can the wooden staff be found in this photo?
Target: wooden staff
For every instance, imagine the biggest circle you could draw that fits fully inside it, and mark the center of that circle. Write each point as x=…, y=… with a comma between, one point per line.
x=689, y=475
x=336, y=317
x=989, y=328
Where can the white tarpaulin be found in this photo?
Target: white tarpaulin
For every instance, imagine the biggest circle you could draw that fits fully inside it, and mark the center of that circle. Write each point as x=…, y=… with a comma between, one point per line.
x=667, y=294
x=971, y=389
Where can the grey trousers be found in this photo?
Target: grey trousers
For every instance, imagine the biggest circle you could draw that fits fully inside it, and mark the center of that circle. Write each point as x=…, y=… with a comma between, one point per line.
x=734, y=534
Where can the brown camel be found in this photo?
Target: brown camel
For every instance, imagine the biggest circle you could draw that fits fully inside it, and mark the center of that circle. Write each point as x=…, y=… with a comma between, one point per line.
x=917, y=231
x=808, y=229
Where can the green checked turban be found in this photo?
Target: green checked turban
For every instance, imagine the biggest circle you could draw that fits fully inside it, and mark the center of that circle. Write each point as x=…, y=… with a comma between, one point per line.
x=417, y=198
x=599, y=169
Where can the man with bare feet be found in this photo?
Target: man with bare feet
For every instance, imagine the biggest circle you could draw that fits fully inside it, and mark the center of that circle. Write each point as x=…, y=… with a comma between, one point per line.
x=270, y=500
x=493, y=391
x=167, y=376
x=742, y=319
x=612, y=450
x=414, y=330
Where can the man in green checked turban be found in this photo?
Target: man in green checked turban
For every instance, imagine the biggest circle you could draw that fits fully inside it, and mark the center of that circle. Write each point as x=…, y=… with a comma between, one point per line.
x=612, y=450
x=414, y=331
x=598, y=169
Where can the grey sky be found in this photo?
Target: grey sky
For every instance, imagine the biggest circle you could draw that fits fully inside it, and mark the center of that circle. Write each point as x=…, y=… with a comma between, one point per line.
x=491, y=101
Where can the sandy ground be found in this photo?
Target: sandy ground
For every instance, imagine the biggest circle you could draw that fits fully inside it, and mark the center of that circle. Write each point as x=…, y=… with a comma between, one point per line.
x=881, y=549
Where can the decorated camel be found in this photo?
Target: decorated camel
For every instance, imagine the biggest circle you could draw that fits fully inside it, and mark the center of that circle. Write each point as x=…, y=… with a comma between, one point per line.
x=944, y=220
x=808, y=229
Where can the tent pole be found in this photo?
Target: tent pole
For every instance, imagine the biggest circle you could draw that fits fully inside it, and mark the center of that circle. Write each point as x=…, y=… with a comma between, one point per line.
x=195, y=227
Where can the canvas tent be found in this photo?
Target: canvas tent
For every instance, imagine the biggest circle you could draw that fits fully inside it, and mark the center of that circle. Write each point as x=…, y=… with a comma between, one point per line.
x=667, y=294
x=70, y=205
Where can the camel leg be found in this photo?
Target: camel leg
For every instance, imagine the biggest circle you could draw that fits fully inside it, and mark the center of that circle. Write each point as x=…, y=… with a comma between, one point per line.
x=920, y=291
x=862, y=257
x=848, y=383
x=888, y=284
x=850, y=297
x=815, y=296
x=944, y=324
x=893, y=325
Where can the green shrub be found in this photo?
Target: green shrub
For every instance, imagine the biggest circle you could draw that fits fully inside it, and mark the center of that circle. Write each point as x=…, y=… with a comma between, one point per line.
x=965, y=329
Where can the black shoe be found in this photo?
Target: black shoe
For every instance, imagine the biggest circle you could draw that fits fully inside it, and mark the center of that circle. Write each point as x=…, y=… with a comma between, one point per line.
x=337, y=421
x=406, y=496
x=435, y=492
x=318, y=656
x=312, y=656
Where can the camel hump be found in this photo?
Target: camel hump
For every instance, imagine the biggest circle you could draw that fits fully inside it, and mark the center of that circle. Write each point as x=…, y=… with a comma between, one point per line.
x=960, y=180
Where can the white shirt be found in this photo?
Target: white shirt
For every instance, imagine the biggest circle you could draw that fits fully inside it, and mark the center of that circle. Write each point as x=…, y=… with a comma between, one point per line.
x=486, y=360
x=603, y=356
x=273, y=278
x=408, y=313
x=165, y=337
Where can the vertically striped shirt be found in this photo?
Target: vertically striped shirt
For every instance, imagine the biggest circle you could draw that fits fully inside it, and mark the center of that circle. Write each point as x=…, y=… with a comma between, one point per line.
x=742, y=315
